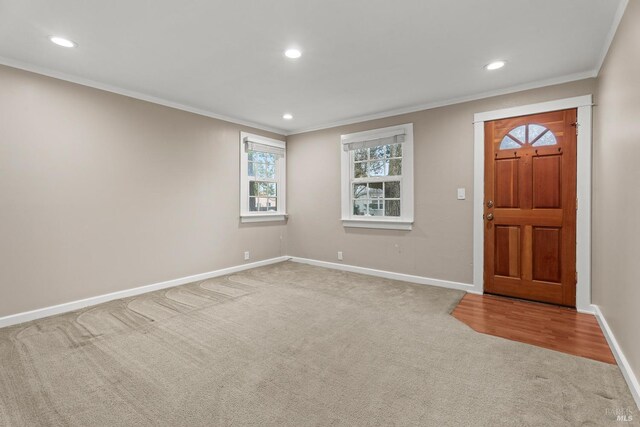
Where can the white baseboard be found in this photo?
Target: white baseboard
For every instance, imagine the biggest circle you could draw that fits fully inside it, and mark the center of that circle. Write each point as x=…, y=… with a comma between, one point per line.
x=627, y=372
x=75, y=305
x=388, y=274
x=623, y=363
x=590, y=309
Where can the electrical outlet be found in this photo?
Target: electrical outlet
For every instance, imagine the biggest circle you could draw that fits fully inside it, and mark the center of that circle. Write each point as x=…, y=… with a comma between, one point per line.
x=246, y=256
x=339, y=255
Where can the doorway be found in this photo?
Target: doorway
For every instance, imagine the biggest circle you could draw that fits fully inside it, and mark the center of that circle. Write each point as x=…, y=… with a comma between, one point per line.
x=584, y=106
x=530, y=207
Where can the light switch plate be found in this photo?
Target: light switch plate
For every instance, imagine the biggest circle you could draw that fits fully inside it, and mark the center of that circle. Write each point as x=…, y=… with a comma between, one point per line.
x=461, y=194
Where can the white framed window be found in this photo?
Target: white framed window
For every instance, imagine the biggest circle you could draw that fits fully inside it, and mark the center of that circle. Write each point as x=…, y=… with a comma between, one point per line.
x=262, y=178
x=377, y=178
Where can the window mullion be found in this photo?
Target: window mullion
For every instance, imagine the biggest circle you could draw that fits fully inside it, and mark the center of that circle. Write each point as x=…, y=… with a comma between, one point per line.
x=376, y=179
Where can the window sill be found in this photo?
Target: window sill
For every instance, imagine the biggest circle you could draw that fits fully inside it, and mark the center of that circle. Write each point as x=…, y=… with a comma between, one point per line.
x=389, y=224
x=263, y=217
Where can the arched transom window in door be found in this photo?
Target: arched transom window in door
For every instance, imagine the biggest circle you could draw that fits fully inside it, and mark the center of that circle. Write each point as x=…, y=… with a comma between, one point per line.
x=528, y=135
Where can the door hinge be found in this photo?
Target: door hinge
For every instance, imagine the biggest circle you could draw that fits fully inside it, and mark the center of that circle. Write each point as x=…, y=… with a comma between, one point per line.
x=576, y=203
x=576, y=125
x=576, y=277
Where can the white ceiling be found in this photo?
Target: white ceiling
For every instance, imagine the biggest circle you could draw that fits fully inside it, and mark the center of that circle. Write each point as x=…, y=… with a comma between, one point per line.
x=360, y=57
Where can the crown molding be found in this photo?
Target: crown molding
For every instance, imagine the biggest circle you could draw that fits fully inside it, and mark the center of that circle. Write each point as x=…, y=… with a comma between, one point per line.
x=452, y=101
x=612, y=33
x=133, y=94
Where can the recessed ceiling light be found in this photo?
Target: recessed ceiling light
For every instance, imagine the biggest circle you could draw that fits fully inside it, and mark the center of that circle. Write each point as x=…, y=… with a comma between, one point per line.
x=287, y=116
x=61, y=41
x=495, y=65
x=293, y=53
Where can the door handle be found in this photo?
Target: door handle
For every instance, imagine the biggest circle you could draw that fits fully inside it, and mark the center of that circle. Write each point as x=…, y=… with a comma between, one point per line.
x=489, y=217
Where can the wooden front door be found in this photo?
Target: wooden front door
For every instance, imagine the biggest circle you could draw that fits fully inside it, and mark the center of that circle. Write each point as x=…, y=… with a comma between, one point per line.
x=530, y=207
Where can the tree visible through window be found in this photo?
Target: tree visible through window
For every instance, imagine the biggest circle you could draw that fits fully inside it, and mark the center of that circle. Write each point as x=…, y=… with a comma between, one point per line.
x=263, y=185
x=378, y=177
x=376, y=181
x=263, y=178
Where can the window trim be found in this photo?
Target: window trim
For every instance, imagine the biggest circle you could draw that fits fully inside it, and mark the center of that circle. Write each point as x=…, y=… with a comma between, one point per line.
x=247, y=216
x=403, y=222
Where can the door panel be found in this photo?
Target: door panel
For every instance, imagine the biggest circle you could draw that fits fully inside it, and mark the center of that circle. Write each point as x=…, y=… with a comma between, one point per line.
x=530, y=207
x=507, y=251
x=507, y=172
x=547, y=256
x=547, y=182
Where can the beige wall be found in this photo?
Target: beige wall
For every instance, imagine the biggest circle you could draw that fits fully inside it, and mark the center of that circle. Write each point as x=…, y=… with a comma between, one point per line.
x=100, y=193
x=616, y=198
x=440, y=244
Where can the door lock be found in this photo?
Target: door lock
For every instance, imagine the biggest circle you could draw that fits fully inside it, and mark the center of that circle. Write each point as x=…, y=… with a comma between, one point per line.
x=490, y=204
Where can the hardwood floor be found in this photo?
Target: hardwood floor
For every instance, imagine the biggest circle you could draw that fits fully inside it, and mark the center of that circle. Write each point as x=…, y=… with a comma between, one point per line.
x=553, y=327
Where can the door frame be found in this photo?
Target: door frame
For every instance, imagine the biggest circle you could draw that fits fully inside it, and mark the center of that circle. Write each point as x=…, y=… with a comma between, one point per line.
x=583, y=220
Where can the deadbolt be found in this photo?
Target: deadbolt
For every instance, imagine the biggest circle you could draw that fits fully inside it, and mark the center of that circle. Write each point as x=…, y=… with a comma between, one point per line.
x=489, y=217
x=490, y=204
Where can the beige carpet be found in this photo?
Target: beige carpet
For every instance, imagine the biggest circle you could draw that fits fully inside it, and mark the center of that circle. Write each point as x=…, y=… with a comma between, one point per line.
x=292, y=345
